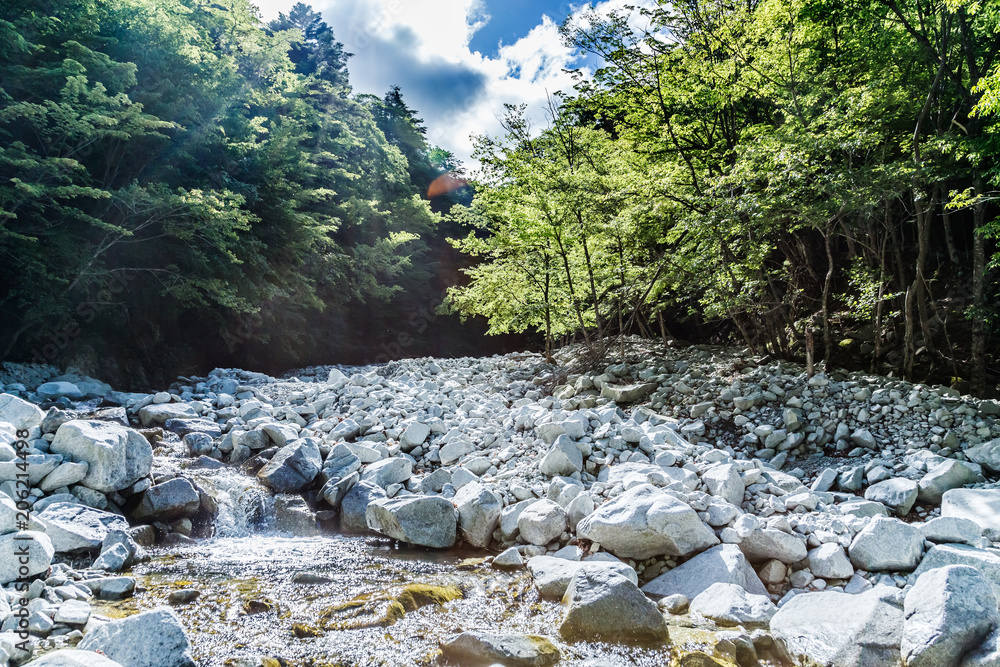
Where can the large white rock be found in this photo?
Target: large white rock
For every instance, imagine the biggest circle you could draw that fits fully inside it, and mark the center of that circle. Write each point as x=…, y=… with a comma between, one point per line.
x=987, y=454
x=725, y=482
x=897, y=494
x=424, y=520
x=414, y=435
x=979, y=505
x=73, y=527
x=67, y=473
x=159, y=413
x=945, y=529
x=28, y=545
x=722, y=564
x=294, y=467
x=887, y=545
x=541, y=522
x=729, y=604
x=71, y=657
x=563, y=458
x=478, y=513
x=842, y=630
x=387, y=472
x=828, y=561
x=10, y=516
x=153, y=638
x=552, y=575
x=646, y=521
x=772, y=544
x=604, y=605
x=19, y=413
x=947, y=475
x=949, y=611
x=987, y=562
x=117, y=456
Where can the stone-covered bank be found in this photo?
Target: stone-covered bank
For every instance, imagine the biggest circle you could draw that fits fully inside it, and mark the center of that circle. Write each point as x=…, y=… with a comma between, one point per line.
x=841, y=518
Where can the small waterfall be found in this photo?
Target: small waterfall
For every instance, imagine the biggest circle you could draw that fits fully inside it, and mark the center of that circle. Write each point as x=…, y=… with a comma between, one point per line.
x=244, y=505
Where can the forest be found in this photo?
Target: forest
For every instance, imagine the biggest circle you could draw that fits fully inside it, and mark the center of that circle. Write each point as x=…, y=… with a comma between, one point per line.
x=189, y=186
x=812, y=179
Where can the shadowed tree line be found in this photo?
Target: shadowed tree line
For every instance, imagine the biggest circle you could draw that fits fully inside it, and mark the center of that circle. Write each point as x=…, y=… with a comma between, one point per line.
x=183, y=186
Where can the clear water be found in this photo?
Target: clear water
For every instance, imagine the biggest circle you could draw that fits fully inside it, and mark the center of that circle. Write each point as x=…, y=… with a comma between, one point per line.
x=251, y=606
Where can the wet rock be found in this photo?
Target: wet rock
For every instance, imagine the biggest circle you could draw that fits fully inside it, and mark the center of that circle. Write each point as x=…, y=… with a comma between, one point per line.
x=841, y=630
x=293, y=467
x=553, y=575
x=887, y=545
x=73, y=527
x=116, y=456
x=424, y=520
x=153, y=638
x=294, y=516
x=26, y=544
x=981, y=506
x=478, y=513
x=722, y=564
x=354, y=506
x=185, y=427
x=113, y=559
x=510, y=559
x=541, y=522
x=336, y=489
x=604, y=605
x=729, y=604
x=111, y=588
x=483, y=648
x=183, y=596
x=645, y=521
x=174, y=499
x=949, y=611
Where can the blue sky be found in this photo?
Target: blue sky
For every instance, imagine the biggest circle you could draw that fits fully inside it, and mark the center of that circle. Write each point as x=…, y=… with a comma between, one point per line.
x=511, y=20
x=457, y=61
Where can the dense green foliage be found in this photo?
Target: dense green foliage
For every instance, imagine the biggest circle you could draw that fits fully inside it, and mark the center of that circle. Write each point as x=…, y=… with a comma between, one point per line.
x=183, y=184
x=777, y=171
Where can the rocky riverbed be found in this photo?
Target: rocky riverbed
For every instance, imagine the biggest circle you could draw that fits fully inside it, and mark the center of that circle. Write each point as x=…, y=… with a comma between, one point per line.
x=695, y=506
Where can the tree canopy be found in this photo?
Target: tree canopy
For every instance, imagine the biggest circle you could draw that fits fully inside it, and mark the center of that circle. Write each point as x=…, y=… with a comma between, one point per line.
x=811, y=178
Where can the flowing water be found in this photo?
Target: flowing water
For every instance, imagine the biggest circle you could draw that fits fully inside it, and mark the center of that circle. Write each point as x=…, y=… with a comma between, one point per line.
x=337, y=599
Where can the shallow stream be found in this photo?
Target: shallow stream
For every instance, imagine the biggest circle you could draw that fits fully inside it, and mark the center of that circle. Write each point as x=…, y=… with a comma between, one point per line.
x=272, y=599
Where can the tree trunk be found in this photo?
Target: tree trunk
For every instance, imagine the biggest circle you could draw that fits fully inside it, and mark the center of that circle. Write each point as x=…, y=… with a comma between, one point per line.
x=978, y=360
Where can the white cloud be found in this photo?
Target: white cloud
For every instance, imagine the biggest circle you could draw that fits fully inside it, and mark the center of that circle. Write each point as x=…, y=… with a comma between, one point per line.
x=423, y=46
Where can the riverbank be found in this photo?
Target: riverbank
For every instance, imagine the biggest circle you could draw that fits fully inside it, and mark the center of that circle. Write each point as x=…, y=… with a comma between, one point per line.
x=674, y=501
